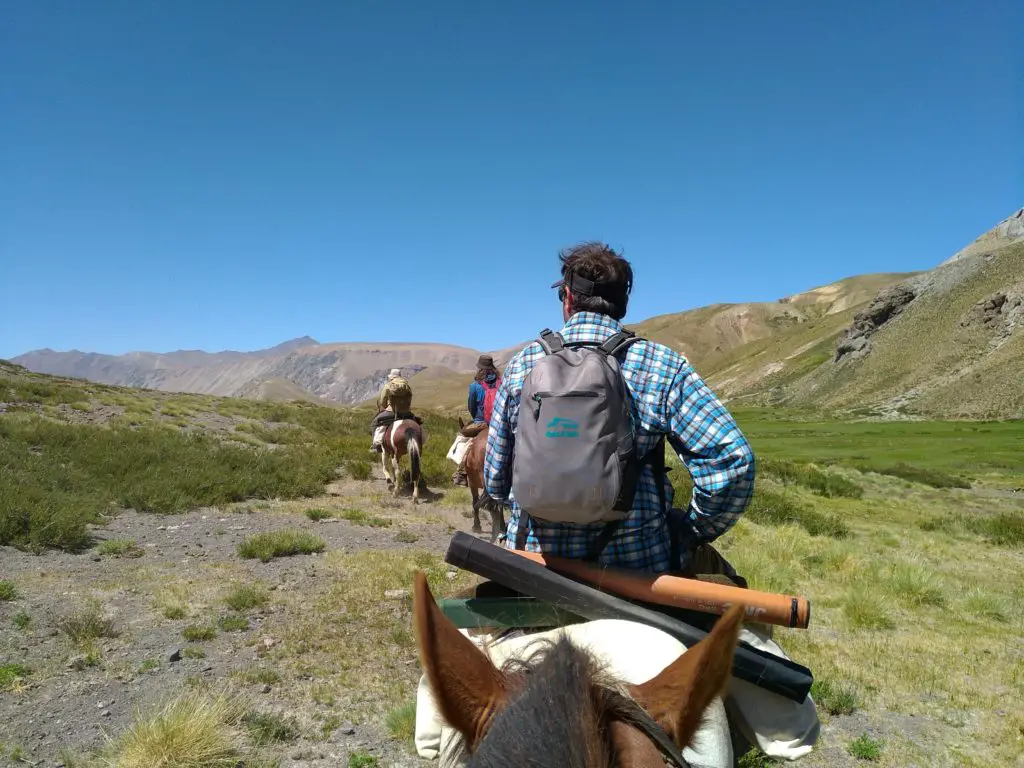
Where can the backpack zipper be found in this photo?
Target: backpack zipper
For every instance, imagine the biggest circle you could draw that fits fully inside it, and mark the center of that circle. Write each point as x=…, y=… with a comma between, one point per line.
x=538, y=398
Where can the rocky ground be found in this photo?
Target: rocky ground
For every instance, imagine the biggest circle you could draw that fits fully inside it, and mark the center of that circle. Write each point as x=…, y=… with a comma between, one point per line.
x=74, y=699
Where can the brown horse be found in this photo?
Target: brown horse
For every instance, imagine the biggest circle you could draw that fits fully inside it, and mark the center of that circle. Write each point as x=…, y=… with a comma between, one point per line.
x=475, y=476
x=403, y=437
x=559, y=708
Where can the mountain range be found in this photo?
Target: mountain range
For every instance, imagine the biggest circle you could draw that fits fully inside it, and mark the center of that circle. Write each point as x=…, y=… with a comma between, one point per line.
x=945, y=342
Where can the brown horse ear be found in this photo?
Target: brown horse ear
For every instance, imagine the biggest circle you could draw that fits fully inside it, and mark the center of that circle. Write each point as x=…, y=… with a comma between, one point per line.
x=466, y=686
x=677, y=697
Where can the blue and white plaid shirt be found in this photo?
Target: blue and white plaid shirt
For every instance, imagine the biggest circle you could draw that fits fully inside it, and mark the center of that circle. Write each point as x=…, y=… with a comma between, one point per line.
x=669, y=398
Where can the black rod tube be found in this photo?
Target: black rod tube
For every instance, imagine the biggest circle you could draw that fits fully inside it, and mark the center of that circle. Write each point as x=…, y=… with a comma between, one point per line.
x=772, y=673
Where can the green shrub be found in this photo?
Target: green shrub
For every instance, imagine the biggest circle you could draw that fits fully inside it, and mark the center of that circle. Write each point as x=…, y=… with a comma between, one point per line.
x=196, y=633
x=7, y=591
x=120, y=548
x=58, y=478
x=359, y=517
x=865, y=748
x=401, y=722
x=11, y=675
x=360, y=470
x=770, y=507
x=826, y=484
x=271, y=728
x=267, y=546
x=318, y=514
x=87, y=625
x=836, y=699
x=933, y=477
x=246, y=596
x=233, y=623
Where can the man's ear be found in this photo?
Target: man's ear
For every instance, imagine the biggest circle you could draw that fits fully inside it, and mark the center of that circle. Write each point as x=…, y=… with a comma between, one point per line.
x=466, y=686
x=678, y=696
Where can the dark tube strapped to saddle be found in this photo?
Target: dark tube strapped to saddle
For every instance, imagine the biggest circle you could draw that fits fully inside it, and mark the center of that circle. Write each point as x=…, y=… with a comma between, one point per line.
x=772, y=673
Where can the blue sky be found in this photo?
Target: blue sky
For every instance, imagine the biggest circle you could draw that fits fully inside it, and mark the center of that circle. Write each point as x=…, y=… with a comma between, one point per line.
x=229, y=175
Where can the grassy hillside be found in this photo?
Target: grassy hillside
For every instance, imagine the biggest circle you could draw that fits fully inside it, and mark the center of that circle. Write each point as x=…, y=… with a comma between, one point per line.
x=735, y=345
x=74, y=451
x=933, y=359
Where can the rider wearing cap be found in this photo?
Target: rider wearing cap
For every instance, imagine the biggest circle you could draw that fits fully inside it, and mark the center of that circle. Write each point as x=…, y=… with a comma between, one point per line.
x=670, y=402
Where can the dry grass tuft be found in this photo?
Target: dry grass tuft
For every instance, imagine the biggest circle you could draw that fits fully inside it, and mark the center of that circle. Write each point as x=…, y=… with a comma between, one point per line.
x=195, y=730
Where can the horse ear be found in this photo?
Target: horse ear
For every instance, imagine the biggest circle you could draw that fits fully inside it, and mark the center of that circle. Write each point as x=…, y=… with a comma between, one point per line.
x=466, y=686
x=678, y=696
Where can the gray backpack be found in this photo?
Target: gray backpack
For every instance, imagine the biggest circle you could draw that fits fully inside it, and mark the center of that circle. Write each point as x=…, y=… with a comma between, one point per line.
x=575, y=443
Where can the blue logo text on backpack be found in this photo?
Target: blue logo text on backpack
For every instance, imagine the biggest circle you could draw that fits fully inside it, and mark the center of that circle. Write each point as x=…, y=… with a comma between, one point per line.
x=575, y=444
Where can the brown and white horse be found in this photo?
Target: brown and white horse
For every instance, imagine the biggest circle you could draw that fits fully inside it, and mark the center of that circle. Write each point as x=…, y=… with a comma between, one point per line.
x=403, y=437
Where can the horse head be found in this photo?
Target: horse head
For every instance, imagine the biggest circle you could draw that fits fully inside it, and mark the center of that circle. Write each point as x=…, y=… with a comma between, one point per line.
x=560, y=710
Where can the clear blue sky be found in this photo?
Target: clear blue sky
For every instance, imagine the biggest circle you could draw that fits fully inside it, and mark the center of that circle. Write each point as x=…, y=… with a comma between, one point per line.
x=229, y=175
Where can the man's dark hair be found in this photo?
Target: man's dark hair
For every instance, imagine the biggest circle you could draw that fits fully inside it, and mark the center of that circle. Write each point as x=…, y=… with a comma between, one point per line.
x=610, y=273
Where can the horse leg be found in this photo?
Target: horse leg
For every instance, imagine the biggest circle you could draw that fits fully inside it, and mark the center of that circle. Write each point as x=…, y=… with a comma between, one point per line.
x=398, y=475
x=475, y=493
x=384, y=462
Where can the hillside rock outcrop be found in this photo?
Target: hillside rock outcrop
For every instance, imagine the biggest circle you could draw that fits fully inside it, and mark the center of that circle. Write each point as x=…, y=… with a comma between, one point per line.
x=855, y=342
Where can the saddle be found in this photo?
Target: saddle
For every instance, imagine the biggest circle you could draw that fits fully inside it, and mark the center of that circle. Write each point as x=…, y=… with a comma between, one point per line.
x=473, y=429
x=386, y=418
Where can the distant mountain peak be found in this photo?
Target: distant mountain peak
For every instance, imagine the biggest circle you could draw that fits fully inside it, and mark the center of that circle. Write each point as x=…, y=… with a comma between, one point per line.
x=288, y=346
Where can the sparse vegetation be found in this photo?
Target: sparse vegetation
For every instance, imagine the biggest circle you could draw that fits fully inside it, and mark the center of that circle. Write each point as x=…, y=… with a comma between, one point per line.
x=263, y=675
x=7, y=591
x=318, y=514
x=193, y=652
x=120, y=548
x=284, y=543
x=836, y=699
x=271, y=728
x=197, y=633
x=362, y=760
x=360, y=470
x=405, y=536
x=11, y=675
x=21, y=620
x=87, y=626
x=245, y=597
x=233, y=623
x=401, y=722
x=359, y=517
x=865, y=748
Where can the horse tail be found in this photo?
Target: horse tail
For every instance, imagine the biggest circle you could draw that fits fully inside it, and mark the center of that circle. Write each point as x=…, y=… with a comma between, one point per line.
x=414, y=456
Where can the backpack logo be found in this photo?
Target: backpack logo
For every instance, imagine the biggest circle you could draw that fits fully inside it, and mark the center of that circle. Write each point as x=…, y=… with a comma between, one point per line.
x=559, y=427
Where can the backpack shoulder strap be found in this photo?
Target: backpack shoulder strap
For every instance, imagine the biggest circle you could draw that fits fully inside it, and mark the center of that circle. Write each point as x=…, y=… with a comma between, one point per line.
x=617, y=343
x=551, y=342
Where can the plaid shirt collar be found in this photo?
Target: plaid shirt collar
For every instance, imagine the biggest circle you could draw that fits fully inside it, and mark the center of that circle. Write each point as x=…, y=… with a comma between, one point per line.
x=574, y=324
